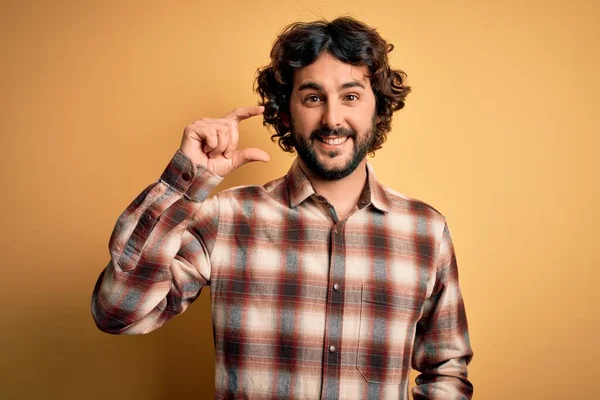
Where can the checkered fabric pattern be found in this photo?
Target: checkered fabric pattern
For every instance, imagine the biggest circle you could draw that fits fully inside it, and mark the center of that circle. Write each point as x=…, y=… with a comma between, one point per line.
x=304, y=305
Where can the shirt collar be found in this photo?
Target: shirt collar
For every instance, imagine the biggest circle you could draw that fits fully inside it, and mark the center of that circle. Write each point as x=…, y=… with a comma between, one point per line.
x=298, y=185
x=377, y=193
x=300, y=188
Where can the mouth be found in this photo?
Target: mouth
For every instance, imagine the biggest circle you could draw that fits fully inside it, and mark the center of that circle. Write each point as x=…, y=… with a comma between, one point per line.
x=333, y=140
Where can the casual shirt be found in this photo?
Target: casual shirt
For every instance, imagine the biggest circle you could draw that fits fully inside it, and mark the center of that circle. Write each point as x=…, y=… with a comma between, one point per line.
x=304, y=305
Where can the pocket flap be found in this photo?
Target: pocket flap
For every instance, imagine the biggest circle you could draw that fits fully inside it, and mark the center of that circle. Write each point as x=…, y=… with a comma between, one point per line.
x=383, y=296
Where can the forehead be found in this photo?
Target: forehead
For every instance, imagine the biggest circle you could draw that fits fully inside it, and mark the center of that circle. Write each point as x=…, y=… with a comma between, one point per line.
x=330, y=72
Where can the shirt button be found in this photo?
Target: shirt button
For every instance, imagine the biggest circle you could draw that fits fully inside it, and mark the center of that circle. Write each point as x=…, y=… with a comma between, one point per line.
x=146, y=218
x=332, y=349
x=336, y=287
x=186, y=176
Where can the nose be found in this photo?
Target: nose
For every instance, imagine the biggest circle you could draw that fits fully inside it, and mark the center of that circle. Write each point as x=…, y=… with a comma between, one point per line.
x=332, y=116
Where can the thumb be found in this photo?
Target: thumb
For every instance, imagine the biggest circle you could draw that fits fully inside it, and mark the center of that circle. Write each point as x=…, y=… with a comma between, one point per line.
x=245, y=156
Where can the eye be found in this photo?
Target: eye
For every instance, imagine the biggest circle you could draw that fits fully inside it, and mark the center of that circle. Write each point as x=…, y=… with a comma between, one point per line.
x=351, y=97
x=313, y=98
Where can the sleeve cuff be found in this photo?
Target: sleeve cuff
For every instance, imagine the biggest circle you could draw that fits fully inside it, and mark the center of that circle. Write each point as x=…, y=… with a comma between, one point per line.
x=193, y=180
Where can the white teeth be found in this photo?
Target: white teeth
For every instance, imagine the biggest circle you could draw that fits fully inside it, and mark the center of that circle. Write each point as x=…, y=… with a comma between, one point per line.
x=335, y=141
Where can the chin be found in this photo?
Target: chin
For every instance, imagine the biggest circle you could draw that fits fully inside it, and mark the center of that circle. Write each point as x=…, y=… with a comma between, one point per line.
x=334, y=171
x=330, y=164
x=335, y=165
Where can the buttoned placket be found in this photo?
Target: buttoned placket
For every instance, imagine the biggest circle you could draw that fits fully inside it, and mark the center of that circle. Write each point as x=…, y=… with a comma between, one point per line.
x=334, y=308
x=332, y=350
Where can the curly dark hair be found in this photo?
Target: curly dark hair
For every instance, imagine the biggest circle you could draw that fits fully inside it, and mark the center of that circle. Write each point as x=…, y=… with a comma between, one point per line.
x=350, y=41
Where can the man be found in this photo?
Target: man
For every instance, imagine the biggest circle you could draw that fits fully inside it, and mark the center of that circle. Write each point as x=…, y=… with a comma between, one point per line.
x=324, y=284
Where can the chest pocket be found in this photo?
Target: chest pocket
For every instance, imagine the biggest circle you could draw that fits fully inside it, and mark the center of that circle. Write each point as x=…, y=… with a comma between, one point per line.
x=386, y=335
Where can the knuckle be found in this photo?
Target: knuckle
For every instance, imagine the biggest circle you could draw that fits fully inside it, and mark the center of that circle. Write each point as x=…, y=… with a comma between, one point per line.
x=223, y=142
x=224, y=132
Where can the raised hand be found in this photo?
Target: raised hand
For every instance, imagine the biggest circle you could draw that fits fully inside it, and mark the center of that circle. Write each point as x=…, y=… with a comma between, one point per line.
x=212, y=142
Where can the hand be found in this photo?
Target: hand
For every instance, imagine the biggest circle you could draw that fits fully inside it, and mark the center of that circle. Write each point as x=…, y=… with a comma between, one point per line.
x=212, y=142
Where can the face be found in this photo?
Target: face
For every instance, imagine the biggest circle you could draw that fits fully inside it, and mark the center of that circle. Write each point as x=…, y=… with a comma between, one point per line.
x=333, y=117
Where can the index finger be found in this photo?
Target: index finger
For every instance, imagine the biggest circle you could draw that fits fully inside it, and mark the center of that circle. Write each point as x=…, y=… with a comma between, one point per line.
x=242, y=113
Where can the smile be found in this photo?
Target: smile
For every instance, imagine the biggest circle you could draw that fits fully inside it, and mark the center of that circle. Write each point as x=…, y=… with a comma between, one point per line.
x=334, y=140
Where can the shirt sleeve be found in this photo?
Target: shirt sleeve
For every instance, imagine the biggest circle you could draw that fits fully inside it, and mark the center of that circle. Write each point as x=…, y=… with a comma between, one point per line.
x=159, y=251
x=442, y=347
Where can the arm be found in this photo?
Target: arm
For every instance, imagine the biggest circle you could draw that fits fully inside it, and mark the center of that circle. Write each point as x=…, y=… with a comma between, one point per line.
x=442, y=347
x=160, y=251
x=161, y=245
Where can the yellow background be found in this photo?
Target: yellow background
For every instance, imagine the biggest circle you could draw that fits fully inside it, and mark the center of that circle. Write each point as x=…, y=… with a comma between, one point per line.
x=500, y=134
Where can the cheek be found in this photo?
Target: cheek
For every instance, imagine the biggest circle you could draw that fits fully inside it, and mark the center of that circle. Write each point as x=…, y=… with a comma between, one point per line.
x=360, y=118
x=304, y=120
x=361, y=124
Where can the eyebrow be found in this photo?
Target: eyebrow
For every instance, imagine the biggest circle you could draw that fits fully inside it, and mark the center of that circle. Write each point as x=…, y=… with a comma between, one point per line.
x=316, y=86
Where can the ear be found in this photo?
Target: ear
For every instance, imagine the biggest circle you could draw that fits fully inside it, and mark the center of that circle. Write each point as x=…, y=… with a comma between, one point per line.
x=285, y=119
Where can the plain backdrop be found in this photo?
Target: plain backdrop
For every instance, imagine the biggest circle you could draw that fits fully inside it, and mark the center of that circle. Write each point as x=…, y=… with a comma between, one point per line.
x=500, y=134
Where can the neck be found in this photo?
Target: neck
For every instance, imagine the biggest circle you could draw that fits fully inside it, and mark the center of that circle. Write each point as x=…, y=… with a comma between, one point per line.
x=343, y=193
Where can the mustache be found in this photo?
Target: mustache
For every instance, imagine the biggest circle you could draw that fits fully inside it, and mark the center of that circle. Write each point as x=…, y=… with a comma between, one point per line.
x=324, y=131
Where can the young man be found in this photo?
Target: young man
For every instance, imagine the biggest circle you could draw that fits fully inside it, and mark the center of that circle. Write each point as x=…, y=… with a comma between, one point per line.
x=324, y=283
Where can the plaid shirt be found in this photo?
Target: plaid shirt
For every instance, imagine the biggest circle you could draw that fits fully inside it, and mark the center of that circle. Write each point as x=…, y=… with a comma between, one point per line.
x=304, y=306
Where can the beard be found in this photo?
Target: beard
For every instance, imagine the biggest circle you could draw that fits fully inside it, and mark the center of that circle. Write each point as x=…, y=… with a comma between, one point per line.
x=307, y=152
